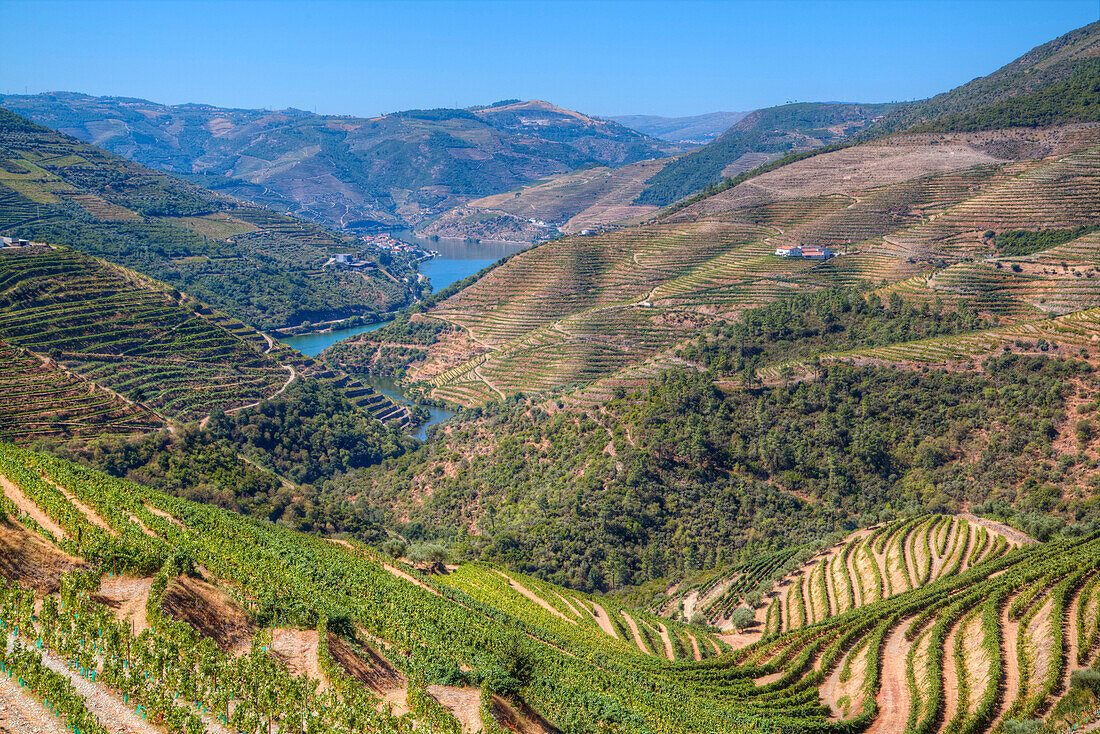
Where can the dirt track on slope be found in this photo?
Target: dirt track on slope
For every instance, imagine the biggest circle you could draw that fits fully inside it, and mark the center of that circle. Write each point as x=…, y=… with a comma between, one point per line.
x=20, y=713
x=893, y=694
x=24, y=503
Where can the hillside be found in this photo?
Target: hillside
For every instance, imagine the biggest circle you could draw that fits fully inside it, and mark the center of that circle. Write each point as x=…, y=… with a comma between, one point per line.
x=582, y=309
x=263, y=267
x=267, y=628
x=761, y=136
x=399, y=169
x=166, y=354
x=698, y=129
x=1014, y=95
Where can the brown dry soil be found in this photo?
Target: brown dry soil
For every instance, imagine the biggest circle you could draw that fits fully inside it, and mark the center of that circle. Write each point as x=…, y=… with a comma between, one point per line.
x=126, y=596
x=31, y=561
x=366, y=665
x=211, y=611
x=21, y=714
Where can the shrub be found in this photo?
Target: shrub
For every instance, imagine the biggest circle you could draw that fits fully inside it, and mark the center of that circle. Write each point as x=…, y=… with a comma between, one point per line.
x=1088, y=679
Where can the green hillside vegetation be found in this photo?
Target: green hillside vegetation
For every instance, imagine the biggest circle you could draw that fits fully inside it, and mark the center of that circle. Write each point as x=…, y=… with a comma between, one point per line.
x=262, y=267
x=768, y=133
x=1030, y=78
x=394, y=170
x=1075, y=100
x=680, y=477
x=1027, y=242
x=517, y=649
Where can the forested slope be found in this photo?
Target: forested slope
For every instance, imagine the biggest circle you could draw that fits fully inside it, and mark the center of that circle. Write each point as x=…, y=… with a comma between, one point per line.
x=263, y=267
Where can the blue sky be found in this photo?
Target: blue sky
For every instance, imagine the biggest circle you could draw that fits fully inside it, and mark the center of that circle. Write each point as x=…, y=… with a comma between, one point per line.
x=606, y=58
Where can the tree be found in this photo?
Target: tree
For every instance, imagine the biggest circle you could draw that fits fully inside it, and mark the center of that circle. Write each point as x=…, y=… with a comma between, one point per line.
x=742, y=618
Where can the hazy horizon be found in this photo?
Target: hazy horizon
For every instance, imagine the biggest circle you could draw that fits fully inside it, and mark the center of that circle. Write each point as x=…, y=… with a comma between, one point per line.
x=608, y=59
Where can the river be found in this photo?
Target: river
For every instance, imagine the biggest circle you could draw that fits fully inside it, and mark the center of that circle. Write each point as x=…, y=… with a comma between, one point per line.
x=457, y=259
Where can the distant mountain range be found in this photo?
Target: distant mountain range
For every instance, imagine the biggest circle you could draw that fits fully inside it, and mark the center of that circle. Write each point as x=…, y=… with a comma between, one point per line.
x=694, y=129
x=400, y=169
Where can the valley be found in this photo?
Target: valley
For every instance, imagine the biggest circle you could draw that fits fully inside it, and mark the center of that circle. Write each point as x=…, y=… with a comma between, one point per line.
x=510, y=418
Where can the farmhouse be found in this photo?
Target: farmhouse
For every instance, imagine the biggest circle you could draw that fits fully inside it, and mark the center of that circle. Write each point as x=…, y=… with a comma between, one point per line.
x=13, y=242
x=817, y=253
x=809, y=253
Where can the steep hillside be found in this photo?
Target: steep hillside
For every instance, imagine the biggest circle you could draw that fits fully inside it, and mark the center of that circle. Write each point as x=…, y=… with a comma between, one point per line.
x=761, y=136
x=263, y=267
x=163, y=351
x=570, y=202
x=1064, y=69
x=267, y=628
x=582, y=309
x=346, y=172
x=693, y=129
x=39, y=399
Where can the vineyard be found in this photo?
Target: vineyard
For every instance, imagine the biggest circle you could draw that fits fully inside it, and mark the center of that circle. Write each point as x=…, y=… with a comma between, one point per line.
x=584, y=310
x=127, y=334
x=934, y=623
x=39, y=400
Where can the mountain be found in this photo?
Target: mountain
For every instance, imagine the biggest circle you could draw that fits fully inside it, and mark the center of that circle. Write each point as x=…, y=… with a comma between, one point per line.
x=761, y=136
x=693, y=129
x=265, y=268
x=1053, y=83
x=399, y=169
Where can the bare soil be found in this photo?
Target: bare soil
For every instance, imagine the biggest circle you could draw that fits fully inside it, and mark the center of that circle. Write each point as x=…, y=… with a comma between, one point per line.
x=126, y=596
x=635, y=633
x=91, y=515
x=464, y=703
x=21, y=714
x=406, y=577
x=24, y=503
x=369, y=667
x=297, y=650
x=600, y=615
x=893, y=694
x=31, y=561
x=211, y=611
x=535, y=597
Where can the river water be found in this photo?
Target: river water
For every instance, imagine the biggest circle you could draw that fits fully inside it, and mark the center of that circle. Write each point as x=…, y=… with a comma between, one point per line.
x=457, y=260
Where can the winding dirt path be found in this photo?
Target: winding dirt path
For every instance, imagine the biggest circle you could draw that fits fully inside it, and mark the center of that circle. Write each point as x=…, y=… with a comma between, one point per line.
x=951, y=674
x=670, y=652
x=1010, y=635
x=91, y=515
x=600, y=615
x=570, y=606
x=406, y=577
x=695, y=653
x=115, y=716
x=636, y=633
x=534, y=597
x=21, y=714
x=24, y=503
x=893, y=694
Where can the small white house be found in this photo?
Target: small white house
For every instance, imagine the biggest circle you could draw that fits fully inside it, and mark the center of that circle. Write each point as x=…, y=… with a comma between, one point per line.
x=788, y=251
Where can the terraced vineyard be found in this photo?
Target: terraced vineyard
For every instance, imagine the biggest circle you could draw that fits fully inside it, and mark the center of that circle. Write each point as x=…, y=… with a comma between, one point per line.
x=261, y=266
x=1076, y=333
x=122, y=331
x=935, y=623
x=39, y=400
x=582, y=310
x=128, y=335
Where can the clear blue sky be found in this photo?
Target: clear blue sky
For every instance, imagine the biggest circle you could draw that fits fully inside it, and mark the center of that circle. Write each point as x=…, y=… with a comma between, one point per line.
x=668, y=58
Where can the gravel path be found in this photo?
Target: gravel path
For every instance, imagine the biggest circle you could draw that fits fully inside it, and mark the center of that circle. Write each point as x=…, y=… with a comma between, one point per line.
x=21, y=714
